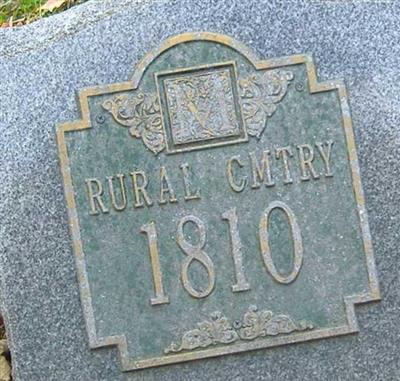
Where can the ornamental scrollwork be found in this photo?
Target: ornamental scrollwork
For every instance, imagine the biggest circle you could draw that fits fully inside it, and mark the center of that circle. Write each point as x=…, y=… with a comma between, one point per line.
x=260, y=94
x=141, y=114
x=254, y=324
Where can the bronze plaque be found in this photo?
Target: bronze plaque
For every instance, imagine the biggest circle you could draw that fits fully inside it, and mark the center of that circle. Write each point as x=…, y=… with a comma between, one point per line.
x=215, y=205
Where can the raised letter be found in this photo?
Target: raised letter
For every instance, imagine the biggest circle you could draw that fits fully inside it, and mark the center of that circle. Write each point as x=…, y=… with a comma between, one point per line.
x=121, y=179
x=165, y=187
x=229, y=174
x=326, y=156
x=260, y=169
x=95, y=196
x=236, y=244
x=189, y=194
x=285, y=152
x=195, y=252
x=297, y=243
x=306, y=162
x=150, y=231
x=140, y=189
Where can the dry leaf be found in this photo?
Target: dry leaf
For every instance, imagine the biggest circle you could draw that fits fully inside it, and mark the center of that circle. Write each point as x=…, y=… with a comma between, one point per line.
x=5, y=369
x=50, y=5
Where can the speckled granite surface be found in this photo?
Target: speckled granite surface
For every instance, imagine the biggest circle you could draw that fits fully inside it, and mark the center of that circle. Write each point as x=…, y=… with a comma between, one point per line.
x=99, y=42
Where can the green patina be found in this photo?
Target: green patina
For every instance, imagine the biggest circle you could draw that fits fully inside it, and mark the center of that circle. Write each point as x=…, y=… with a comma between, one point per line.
x=117, y=254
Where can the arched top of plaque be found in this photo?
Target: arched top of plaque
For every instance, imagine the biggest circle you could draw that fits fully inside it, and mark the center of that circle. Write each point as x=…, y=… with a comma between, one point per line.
x=198, y=90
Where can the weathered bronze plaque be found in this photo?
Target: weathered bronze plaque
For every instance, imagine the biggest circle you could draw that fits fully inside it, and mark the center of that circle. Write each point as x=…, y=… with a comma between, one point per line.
x=215, y=205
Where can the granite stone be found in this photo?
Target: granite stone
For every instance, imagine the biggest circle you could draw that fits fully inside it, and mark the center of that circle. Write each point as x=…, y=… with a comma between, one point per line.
x=99, y=42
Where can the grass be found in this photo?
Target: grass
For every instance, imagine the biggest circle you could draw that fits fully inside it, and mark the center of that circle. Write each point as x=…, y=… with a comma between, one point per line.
x=16, y=10
x=20, y=12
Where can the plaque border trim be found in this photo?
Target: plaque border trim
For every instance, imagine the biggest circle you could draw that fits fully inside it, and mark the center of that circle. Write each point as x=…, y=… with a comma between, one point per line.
x=128, y=363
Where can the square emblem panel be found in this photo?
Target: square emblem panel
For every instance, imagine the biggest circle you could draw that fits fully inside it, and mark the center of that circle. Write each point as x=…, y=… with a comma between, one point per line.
x=200, y=107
